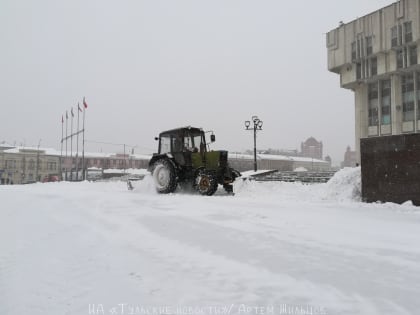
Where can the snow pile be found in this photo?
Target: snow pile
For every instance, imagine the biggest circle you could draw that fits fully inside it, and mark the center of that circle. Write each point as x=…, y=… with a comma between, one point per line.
x=300, y=169
x=284, y=191
x=146, y=185
x=345, y=185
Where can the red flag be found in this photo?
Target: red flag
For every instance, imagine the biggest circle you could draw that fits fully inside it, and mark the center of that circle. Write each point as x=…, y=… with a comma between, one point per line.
x=78, y=106
x=84, y=103
x=72, y=114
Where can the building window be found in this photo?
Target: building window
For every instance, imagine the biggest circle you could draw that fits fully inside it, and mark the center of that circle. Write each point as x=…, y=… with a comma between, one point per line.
x=353, y=51
x=31, y=165
x=373, y=66
x=361, y=51
x=358, y=70
x=400, y=58
x=369, y=48
x=400, y=34
x=386, y=102
x=408, y=33
x=413, y=55
x=418, y=95
x=394, y=37
x=10, y=164
x=407, y=88
x=373, y=104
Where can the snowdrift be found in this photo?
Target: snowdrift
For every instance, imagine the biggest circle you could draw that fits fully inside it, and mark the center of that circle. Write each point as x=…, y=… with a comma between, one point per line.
x=344, y=186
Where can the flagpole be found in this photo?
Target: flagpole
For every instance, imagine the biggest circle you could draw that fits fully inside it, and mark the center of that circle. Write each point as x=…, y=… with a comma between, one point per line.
x=77, y=143
x=71, y=145
x=83, y=141
x=83, y=144
x=65, y=162
x=61, y=154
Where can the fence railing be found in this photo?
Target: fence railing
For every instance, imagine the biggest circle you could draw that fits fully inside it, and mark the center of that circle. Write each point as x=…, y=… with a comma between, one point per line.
x=289, y=176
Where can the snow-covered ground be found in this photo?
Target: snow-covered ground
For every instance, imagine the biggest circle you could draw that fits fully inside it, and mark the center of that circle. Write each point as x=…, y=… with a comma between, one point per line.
x=273, y=248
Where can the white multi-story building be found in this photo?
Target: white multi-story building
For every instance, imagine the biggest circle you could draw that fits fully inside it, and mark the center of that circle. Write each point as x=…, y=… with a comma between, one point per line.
x=377, y=56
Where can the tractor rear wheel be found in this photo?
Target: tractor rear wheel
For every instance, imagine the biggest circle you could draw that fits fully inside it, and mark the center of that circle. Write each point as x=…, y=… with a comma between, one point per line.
x=206, y=183
x=164, y=176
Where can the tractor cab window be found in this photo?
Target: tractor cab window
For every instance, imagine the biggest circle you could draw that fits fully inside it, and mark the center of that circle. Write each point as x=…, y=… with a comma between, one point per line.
x=176, y=143
x=192, y=142
x=165, y=145
x=188, y=145
x=198, y=143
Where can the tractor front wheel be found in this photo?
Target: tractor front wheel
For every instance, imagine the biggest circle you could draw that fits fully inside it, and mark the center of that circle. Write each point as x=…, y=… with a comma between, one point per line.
x=206, y=183
x=164, y=176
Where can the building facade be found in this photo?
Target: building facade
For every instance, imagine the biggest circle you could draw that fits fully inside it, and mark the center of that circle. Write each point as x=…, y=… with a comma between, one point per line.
x=311, y=148
x=377, y=57
x=350, y=158
x=26, y=165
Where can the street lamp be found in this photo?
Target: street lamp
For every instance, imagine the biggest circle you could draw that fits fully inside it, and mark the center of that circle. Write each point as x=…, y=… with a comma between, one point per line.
x=37, y=161
x=257, y=125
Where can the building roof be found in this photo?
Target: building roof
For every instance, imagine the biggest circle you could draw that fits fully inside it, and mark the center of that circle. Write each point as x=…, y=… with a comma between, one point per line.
x=5, y=146
x=54, y=152
x=312, y=141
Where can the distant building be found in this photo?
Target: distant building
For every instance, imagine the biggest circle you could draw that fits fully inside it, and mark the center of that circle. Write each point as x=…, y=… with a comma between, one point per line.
x=105, y=161
x=350, y=158
x=377, y=57
x=328, y=159
x=285, y=152
x=5, y=146
x=22, y=165
x=27, y=165
x=245, y=162
x=311, y=148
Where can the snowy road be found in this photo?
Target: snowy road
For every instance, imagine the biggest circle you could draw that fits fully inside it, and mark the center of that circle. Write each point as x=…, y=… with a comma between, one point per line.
x=96, y=248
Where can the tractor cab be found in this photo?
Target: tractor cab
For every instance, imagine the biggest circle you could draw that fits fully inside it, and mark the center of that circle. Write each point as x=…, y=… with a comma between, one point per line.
x=183, y=158
x=182, y=140
x=187, y=146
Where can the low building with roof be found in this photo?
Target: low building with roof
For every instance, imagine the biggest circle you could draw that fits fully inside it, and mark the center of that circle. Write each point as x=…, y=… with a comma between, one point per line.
x=23, y=165
x=245, y=162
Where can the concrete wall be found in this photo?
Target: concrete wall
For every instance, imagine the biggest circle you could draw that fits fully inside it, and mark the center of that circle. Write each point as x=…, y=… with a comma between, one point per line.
x=377, y=24
x=391, y=168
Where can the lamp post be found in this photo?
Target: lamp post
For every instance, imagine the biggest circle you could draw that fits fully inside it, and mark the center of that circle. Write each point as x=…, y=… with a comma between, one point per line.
x=257, y=125
x=37, y=161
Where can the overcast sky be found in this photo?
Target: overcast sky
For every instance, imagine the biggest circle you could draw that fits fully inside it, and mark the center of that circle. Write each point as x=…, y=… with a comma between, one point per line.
x=148, y=66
